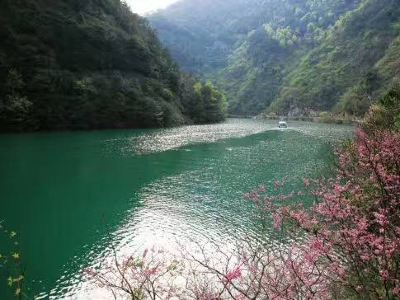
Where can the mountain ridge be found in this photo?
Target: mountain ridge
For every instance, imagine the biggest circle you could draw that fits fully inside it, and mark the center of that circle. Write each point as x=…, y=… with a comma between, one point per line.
x=263, y=67
x=92, y=64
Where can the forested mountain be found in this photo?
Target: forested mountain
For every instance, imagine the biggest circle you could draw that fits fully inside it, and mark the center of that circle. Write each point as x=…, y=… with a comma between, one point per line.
x=201, y=33
x=93, y=64
x=354, y=65
x=299, y=55
x=72, y=64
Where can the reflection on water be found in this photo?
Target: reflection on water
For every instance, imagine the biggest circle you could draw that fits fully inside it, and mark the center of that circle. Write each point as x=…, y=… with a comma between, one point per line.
x=167, y=139
x=178, y=185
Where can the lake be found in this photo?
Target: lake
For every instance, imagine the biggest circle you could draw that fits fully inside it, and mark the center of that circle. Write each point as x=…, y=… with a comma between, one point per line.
x=70, y=195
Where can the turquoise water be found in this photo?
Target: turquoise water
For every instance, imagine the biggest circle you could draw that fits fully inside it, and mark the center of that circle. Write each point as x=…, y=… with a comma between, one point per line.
x=69, y=195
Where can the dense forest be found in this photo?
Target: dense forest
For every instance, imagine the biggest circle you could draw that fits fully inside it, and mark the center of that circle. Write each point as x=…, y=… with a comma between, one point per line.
x=92, y=64
x=354, y=65
x=294, y=57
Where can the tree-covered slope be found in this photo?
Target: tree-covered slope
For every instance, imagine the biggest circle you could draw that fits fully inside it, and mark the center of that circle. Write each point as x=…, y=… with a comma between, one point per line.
x=258, y=67
x=351, y=67
x=248, y=47
x=72, y=64
x=201, y=33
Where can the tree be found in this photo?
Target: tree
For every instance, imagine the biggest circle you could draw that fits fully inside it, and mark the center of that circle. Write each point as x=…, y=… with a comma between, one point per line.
x=14, y=108
x=214, y=103
x=109, y=69
x=346, y=246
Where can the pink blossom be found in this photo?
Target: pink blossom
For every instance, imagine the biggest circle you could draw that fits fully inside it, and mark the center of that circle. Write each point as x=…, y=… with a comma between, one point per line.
x=233, y=275
x=277, y=221
x=355, y=219
x=385, y=275
x=396, y=291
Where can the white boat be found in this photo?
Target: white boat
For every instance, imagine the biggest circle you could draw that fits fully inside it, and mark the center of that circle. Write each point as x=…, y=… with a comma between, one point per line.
x=282, y=124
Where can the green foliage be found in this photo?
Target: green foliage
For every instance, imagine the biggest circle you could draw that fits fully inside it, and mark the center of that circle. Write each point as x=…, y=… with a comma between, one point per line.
x=11, y=269
x=206, y=103
x=350, y=68
x=357, y=99
x=213, y=103
x=14, y=108
x=247, y=46
x=385, y=115
x=201, y=33
x=81, y=65
x=285, y=36
x=293, y=56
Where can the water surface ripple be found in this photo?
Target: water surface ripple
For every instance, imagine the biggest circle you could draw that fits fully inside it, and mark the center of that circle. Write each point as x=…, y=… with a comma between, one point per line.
x=136, y=189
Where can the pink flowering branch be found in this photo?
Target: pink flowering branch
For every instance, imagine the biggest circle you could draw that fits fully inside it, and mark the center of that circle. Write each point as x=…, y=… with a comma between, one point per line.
x=354, y=228
x=347, y=245
x=149, y=276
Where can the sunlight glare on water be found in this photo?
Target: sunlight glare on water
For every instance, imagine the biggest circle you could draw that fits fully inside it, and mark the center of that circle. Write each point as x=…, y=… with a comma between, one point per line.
x=160, y=188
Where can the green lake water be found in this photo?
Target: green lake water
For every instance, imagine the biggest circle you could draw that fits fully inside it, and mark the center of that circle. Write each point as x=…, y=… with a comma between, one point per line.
x=69, y=195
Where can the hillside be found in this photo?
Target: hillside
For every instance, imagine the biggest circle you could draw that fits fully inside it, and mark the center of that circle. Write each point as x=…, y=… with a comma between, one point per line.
x=84, y=65
x=353, y=66
x=299, y=55
x=201, y=33
x=248, y=47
